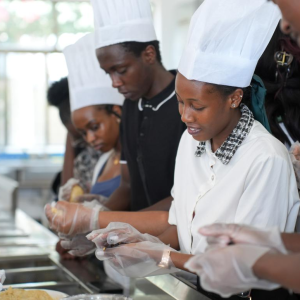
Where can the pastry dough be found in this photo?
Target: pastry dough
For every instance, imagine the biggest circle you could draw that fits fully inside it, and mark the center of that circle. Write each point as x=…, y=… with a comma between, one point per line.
x=76, y=191
x=18, y=294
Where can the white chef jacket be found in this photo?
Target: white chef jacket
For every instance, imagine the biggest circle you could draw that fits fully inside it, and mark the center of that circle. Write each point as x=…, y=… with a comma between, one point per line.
x=257, y=187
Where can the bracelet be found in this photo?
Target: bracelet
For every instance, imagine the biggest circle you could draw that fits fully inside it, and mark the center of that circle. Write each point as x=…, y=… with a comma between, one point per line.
x=165, y=260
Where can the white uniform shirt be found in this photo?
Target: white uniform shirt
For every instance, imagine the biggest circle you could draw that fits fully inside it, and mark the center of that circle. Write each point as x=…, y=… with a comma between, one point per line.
x=257, y=187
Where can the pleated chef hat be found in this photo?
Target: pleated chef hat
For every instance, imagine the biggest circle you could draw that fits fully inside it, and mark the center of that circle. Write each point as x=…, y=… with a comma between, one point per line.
x=226, y=40
x=118, y=21
x=88, y=83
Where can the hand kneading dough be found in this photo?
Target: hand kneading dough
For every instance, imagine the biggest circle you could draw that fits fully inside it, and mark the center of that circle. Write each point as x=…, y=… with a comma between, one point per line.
x=76, y=191
x=18, y=294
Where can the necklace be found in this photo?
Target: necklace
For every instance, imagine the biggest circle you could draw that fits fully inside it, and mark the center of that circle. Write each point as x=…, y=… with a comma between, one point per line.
x=115, y=158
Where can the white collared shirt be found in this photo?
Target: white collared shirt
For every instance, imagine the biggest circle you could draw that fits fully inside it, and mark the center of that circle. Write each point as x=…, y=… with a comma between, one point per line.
x=257, y=187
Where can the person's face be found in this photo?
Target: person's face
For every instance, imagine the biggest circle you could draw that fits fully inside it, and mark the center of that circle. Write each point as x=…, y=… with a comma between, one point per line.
x=99, y=129
x=290, y=23
x=131, y=75
x=204, y=111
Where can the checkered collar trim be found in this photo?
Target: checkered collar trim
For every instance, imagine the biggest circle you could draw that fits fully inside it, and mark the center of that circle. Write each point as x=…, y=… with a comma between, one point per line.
x=234, y=140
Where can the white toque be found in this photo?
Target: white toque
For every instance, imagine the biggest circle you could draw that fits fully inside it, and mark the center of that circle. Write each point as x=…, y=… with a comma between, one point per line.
x=118, y=21
x=88, y=84
x=226, y=39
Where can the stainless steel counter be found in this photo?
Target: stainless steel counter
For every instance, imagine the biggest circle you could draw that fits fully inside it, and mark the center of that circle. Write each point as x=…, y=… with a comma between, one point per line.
x=27, y=253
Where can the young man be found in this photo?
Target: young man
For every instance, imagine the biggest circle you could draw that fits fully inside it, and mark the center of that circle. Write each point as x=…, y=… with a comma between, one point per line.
x=128, y=50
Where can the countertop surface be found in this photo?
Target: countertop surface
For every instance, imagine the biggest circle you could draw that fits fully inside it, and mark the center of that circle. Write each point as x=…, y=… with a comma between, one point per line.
x=27, y=253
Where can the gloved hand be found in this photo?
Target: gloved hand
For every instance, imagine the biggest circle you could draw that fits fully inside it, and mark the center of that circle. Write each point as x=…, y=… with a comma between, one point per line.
x=220, y=235
x=132, y=253
x=95, y=203
x=64, y=192
x=2, y=278
x=72, y=218
x=228, y=271
x=90, y=197
x=63, y=253
x=295, y=158
x=77, y=245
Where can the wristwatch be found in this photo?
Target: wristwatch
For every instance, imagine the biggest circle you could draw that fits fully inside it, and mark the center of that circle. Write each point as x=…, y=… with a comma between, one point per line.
x=165, y=260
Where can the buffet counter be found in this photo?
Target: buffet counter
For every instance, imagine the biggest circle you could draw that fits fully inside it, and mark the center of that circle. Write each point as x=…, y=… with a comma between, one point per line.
x=27, y=254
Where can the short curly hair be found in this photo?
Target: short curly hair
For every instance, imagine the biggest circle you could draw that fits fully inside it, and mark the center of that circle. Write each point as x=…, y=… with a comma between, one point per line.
x=138, y=47
x=58, y=92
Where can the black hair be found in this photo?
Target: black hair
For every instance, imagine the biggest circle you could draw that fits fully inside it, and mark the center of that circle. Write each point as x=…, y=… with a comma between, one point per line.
x=58, y=96
x=109, y=109
x=283, y=89
x=138, y=47
x=226, y=91
x=58, y=92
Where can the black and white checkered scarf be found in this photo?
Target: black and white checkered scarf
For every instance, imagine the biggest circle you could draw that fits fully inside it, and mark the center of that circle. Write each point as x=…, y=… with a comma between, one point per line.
x=234, y=140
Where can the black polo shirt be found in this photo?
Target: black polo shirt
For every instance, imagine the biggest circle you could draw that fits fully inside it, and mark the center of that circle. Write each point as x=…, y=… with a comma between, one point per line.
x=150, y=134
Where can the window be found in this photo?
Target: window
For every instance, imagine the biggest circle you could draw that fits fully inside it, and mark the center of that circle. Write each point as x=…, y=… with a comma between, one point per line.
x=32, y=36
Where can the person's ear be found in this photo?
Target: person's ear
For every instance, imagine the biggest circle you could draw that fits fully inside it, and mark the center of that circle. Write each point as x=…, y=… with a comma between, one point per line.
x=149, y=55
x=236, y=98
x=285, y=26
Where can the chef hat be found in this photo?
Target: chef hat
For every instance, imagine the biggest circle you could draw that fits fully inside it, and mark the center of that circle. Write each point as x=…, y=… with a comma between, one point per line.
x=88, y=83
x=226, y=40
x=119, y=21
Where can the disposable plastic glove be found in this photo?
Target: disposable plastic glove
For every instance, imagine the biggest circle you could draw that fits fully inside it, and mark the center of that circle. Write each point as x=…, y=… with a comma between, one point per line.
x=228, y=271
x=295, y=157
x=133, y=254
x=2, y=278
x=220, y=235
x=72, y=218
x=95, y=203
x=64, y=192
x=63, y=253
x=90, y=197
x=117, y=232
x=78, y=245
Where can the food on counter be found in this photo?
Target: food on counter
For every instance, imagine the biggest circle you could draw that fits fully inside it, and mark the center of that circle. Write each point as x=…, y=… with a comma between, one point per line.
x=18, y=294
x=76, y=192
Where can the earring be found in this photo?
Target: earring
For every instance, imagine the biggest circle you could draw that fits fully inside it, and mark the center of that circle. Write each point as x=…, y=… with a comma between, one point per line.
x=118, y=121
x=233, y=105
x=241, y=96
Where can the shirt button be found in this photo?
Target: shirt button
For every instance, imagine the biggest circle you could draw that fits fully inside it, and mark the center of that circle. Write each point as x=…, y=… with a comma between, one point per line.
x=212, y=177
x=145, y=118
x=142, y=134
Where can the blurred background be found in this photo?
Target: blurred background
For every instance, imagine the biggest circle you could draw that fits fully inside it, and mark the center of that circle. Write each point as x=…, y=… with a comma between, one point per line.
x=32, y=35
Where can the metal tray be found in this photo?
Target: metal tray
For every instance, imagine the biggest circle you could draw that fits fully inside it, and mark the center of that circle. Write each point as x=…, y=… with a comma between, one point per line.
x=9, y=253
x=7, y=232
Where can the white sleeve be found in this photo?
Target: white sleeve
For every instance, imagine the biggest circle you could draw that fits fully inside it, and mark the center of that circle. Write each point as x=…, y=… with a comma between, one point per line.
x=270, y=195
x=172, y=212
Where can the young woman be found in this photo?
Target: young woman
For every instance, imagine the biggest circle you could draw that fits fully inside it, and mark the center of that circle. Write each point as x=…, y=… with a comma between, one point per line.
x=276, y=257
x=96, y=113
x=228, y=166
